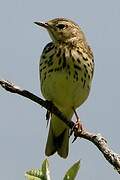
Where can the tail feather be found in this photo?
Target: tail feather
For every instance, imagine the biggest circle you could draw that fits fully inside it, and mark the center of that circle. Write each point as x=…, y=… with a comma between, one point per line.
x=50, y=147
x=59, y=144
x=64, y=148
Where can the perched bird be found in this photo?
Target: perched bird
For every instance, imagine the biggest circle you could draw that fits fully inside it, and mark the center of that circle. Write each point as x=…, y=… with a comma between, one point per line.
x=66, y=72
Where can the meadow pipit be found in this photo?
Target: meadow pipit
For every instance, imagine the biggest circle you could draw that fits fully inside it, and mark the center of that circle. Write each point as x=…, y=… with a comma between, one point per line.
x=66, y=71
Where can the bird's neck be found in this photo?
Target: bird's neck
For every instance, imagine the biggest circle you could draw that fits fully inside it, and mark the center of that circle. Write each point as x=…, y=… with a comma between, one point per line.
x=73, y=42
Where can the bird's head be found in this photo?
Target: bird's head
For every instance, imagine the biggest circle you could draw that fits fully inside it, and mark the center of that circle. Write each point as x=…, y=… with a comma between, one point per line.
x=62, y=30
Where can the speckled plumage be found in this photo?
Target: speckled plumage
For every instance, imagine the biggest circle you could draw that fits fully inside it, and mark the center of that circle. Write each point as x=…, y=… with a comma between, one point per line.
x=66, y=71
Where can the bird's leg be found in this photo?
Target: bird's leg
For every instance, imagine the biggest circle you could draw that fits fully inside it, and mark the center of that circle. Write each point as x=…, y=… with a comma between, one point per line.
x=78, y=125
x=48, y=113
x=48, y=116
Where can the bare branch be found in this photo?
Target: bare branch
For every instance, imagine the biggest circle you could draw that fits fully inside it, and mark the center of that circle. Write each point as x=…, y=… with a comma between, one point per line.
x=99, y=141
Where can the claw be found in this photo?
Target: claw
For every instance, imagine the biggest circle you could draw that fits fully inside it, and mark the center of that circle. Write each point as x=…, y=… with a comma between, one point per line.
x=75, y=137
x=71, y=132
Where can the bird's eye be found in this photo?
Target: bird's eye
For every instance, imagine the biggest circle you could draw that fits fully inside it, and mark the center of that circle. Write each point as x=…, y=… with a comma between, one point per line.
x=60, y=26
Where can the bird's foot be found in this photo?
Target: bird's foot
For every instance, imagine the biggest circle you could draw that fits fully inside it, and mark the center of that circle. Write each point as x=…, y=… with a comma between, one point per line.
x=77, y=127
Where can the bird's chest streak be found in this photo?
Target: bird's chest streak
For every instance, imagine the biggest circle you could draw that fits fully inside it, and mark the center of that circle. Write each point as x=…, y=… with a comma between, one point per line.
x=65, y=83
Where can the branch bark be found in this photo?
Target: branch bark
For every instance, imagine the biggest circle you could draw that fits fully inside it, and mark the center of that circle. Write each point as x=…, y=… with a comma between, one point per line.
x=99, y=141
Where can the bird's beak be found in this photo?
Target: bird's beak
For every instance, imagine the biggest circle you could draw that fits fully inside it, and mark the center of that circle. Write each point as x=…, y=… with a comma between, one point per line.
x=45, y=25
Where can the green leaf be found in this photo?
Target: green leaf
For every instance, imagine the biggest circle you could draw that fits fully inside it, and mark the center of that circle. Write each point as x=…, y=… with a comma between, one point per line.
x=39, y=174
x=72, y=172
x=34, y=174
x=45, y=169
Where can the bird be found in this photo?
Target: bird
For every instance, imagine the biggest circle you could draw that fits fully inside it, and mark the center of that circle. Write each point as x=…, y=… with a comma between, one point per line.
x=66, y=71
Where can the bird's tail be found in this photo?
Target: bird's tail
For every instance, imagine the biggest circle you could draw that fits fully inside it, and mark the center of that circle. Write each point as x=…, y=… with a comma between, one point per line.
x=58, y=138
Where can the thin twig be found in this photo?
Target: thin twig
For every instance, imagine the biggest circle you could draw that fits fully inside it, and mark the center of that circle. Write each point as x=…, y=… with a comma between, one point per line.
x=99, y=141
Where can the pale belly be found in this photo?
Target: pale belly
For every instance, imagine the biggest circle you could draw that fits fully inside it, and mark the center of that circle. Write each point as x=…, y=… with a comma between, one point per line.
x=65, y=91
